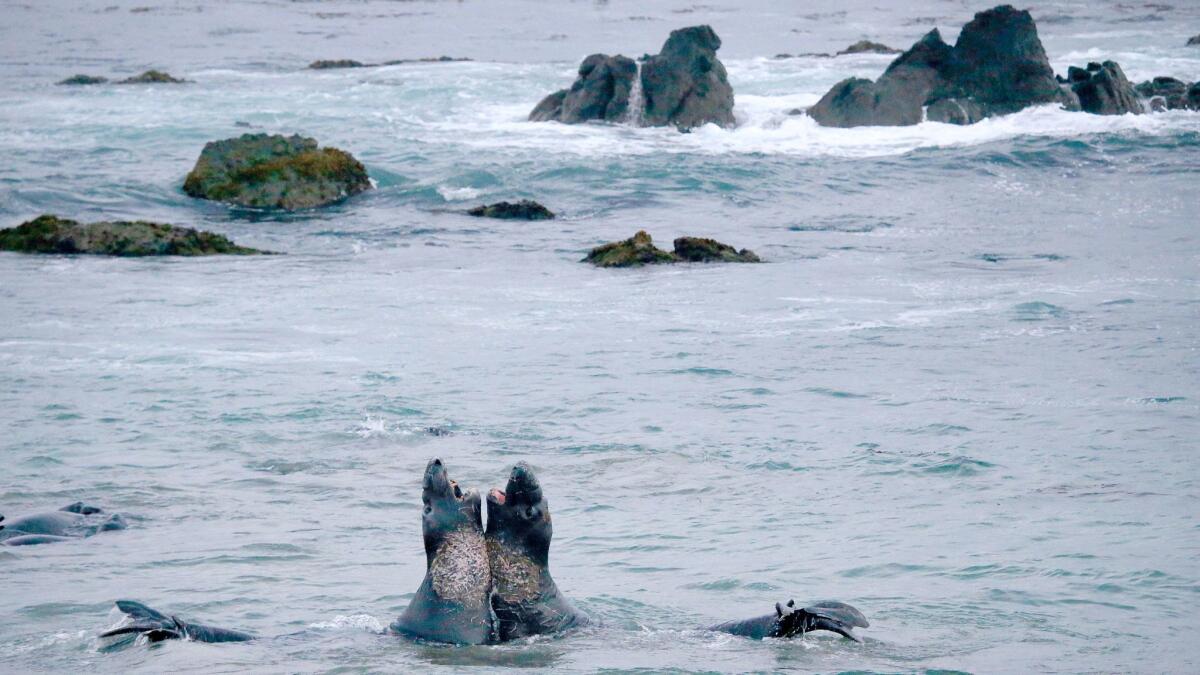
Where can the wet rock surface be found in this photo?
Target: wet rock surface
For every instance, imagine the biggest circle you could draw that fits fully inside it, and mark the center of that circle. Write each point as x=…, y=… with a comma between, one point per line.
x=600, y=92
x=1171, y=92
x=697, y=249
x=275, y=172
x=640, y=250
x=685, y=85
x=51, y=234
x=79, y=80
x=1103, y=89
x=523, y=210
x=152, y=77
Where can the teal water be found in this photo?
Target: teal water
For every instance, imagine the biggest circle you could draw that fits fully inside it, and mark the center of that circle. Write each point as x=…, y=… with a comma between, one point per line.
x=961, y=395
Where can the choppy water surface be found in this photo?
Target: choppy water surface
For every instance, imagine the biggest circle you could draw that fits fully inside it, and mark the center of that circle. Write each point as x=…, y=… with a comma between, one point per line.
x=962, y=395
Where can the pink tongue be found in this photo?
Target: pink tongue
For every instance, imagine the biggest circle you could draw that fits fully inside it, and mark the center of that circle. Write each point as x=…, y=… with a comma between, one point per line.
x=498, y=495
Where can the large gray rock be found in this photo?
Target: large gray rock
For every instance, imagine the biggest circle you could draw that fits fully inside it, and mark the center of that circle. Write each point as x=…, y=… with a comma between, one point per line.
x=1103, y=90
x=685, y=85
x=997, y=66
x=275, y=172
x=600, y=92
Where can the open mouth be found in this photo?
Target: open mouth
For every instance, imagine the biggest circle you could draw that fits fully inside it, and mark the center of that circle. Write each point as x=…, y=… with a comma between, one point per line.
x=458, y=494
x=496, y=495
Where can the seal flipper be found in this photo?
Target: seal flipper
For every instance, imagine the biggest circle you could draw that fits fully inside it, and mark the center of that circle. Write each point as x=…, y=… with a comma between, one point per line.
x=137, y=610
x=840, y=611
x=157, y=626
x=82, y=509
x=830, y=615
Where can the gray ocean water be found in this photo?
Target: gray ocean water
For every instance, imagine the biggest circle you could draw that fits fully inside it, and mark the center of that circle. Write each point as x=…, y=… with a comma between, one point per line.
x=962, y=394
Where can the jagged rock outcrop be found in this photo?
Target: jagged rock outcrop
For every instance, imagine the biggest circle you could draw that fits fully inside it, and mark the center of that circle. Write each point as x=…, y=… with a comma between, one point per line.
x=997, y=66
x=51, y=234
x=523, y=210
x=78, y=80
x=274, y=171
x=640, y=250
x=684, y=86
x=1103, y=89
x=1172, y=93
x=600, y=92
x=152, y=77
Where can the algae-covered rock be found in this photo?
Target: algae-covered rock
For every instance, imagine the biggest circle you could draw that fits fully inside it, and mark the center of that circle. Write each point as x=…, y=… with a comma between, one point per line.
x=522, y=210
x=51, y=234
x=152, y=77
x=868, y=47
x=697, y=249
x=274, y=171
x=333, y=64
x=636, y=251
x=78, y=80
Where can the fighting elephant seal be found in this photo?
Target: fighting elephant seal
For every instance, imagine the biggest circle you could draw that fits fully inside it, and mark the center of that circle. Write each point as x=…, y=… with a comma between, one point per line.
x=451, y=605
x=789, y=621
x=526, y=599
x=73, y=521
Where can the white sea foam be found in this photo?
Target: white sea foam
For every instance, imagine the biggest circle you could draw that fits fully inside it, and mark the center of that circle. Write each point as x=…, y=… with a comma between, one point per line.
x=354, y=621
x=452, y=194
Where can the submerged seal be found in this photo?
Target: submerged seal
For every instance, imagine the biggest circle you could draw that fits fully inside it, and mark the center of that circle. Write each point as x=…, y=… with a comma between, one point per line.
x=73, y=521
x=526, y=600
x=451, y=604
x=157, y=626
x=789, y=621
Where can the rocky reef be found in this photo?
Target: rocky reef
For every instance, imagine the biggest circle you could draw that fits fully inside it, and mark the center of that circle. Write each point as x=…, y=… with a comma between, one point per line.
x=333, y=64
x=640, y=250
x=684, y=85
x=1169, y=93
x=1102, y=89
x=523, y=210
x=148, y=77
x=51, y=234
x=78, y=80
x=997, y=66
x=275, y=172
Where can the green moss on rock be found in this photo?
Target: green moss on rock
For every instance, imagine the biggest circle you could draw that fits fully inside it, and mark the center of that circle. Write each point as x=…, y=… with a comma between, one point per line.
x=696, y=249
x=275, y=172
x=522, y=210
x=636, y=251
x=51, y=234
x=152, y=77
x=77, y=80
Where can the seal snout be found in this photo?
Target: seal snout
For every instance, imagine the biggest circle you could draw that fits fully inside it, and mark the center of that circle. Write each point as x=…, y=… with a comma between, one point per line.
x=522, y=485
x=496, y=495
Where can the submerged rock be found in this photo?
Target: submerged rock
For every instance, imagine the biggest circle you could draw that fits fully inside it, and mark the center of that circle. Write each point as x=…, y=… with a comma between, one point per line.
x=1103, y=90
x=51, y=234
x=640, y=250
x=274, y=171
x=1172, y=93
x=636, y=251
x=868, y=47
x=685, y=85
x=522, y=210
x=77, y=80
x=152, y=77
x=600, y=92
x=333, y=64
x=696, y=249
x=997, y=66
x=428, y=59
x=1194, y=41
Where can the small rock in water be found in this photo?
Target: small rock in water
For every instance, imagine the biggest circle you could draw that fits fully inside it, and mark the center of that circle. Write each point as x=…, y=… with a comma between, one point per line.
x=696, y=249
x=868, y=47
x=275, y=172
x=83, y=79
x=1171, y=94
x=152, y=77
x=1103, y=90
x=51, y=234
x=522, y=210
x=331, y=64
x=428, y=59
x=1194, y=41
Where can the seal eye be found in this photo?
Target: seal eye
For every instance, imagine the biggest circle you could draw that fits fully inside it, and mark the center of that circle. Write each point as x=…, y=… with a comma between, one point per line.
x=428, y=508
x=530, y=512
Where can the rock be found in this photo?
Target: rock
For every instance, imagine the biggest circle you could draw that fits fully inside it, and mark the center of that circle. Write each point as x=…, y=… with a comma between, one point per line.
x=1194, y=41
x=695, y=249
x=1103, y=90
x=333, y=64
x=151, y=77
x=636, y=251
x=600, y=92
x=997, y=66
x=51, y=234
x=522, y=210
x=1193, y=96
x=83, y=79
x=274, y=171
x=685, y=85
x=427, y=59
x=868, y=47
x=1171, y=92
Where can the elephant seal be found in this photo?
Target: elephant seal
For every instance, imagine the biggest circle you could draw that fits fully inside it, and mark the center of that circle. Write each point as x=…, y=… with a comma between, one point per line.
x=526, y=599
x=73, y=521
x=451, y=605
x=157, y=626
x=789, y=621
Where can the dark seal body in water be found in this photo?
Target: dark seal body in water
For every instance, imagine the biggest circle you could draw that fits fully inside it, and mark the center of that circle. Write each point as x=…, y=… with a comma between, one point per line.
x=526, y=599
x=73, y=521
x=789, y=621
x=451, y=604
x=156, y=627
